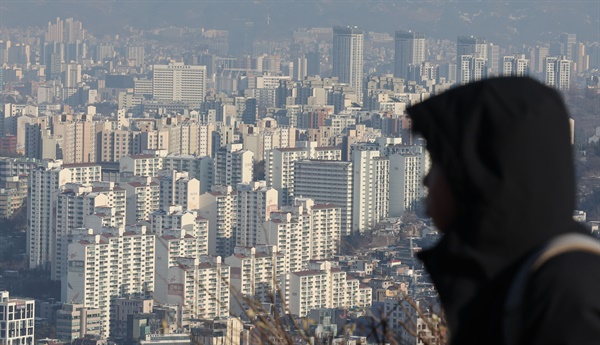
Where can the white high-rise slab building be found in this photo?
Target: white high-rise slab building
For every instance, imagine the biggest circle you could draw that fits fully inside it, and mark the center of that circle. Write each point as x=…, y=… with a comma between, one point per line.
x=220, y=208
x=370, y=188
x=557, y=72
x=408, y=167
x=114, y=263
x=348, y=52
x=45, y=183
x=179, y=82
x=256, y=201
x=325, y=286
x=327, y=181
x=202, y=284
x=233, y=165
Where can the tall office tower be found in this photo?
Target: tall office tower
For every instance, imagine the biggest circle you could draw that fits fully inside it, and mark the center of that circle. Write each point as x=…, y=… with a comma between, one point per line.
x=142, y=195
x=300, y=68
x=233, y=165
x=279, y=172
x=45, y=183
x=115, y=263
x=4, y=52
x=16, y=320
x=74, y=205
x=220, y=208
x=408, y=166
x=581, y=58
x=327, y=182
x=134, y=55
x=557, y=72
x=370, y=202
x=254, y=273
x=409, y=50
x=471, y=46
x=200, y=168
x=313, y=63
x=175, y=218
x=536, y=58
x=567, y=43
x=493, y=57
x=250, y=112
x=177, y=188
x=348, y=51
x=178, y=82
x=256, y=201
x=202, y=284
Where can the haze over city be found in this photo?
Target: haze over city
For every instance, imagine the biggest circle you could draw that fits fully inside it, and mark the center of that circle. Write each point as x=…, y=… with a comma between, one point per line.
x=244, y=172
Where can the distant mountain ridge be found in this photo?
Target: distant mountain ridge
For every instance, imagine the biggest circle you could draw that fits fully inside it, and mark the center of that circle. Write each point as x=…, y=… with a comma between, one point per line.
x=503, y=22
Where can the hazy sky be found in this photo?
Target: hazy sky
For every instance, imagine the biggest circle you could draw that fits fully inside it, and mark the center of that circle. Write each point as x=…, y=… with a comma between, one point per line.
x=500, y=21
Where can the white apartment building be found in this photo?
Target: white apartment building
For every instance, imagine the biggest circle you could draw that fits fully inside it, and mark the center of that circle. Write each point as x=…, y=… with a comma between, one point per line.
x=256, y=201
x=45, y=183
x=173, y=245
x=177, y=188
x=408, y=167
x=370, y=188
x=202, y=284
x=75, y=205
x=233, y=165
x=303, y=232
x=179, y=82
x=116, y=263
x=200, y=168
x=400, y=313
x=327, y=181
x=141, y=165
x=324, y=286
x=175, y=217
x=220, y=208
x=255, y=275
x=17, y=317
x=143, y=197
x=279, y=171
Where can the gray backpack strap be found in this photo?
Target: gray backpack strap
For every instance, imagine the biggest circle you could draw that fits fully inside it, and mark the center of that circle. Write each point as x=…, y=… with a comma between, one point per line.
x=513, y=317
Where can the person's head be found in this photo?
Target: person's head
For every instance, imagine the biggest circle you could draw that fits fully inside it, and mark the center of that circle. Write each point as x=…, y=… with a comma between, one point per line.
x=502, y=170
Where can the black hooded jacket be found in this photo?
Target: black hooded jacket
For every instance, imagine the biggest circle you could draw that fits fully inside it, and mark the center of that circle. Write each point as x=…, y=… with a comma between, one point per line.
x=504, y=146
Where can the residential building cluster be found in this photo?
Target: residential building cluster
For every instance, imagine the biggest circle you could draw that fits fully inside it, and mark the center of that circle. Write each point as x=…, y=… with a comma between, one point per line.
x=173, y=193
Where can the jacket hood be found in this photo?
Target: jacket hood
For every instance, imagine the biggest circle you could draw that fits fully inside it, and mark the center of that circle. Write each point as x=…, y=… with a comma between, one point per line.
x=504, y=146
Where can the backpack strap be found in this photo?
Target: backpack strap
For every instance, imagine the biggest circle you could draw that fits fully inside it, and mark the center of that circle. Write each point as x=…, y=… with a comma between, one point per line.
x=513, y=317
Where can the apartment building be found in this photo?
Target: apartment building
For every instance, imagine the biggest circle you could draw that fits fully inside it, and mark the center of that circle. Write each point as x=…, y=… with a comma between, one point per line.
x=256, y=275
x=220, y=208
x=325, y=286
x=114, y=263
x=233, y=165
x=200, y=168
x=201, y=283
x=177, y=188
x=45, y=183
x=256, y=201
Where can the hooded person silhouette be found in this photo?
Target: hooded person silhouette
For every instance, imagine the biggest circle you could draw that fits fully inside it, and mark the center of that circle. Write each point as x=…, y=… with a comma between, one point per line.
x=501, y=187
